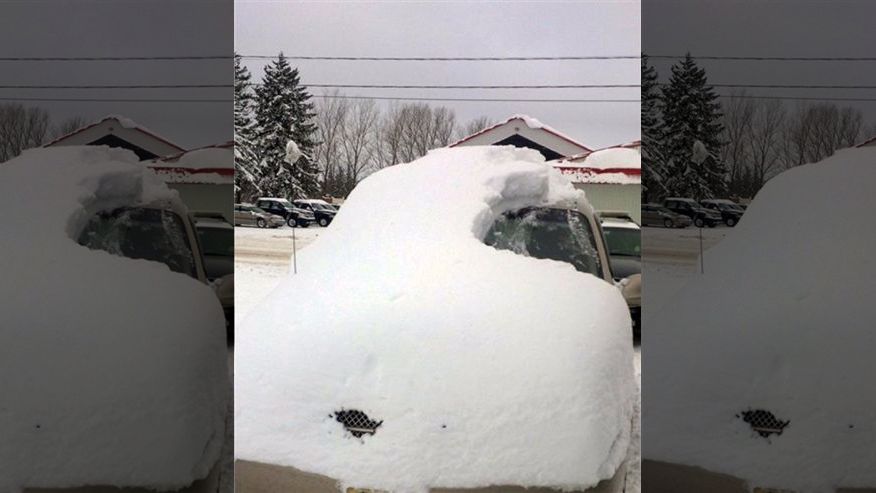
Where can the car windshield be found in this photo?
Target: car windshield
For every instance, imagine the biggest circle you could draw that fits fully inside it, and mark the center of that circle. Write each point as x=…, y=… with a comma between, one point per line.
x=257, y=210
x=626, y=242
x=141, y=233
x=216, y=241
x=322, y=207
x=556, y=234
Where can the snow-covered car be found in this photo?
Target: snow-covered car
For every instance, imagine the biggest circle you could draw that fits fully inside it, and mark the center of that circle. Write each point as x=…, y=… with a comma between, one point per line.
x=474, y=338
x=322, y=210
x=294, y=216
x=112, y=348
x=762, y=374
x=250, y=215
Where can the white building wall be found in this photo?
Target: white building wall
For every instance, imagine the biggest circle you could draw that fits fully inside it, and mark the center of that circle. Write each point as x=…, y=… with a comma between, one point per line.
x=604, y=197
x=199, y=197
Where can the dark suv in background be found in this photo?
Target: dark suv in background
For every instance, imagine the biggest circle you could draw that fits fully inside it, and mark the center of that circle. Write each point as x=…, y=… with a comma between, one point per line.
x=294, y=216
x=322, y=211
x=730, y=211
x=690, y=208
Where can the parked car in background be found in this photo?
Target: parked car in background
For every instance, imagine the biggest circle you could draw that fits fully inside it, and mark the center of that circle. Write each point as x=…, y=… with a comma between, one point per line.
x=250, y=215
x=294, y=216
x=216, y=238
x=690, y=208
x=322, y=210
x=624, y=242
x=217, y=243
x=730, y=211
x=657, y=215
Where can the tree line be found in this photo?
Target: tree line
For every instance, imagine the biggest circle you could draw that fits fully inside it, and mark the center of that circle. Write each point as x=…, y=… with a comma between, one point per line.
x=342, y=139
x=23, y=127
x=697, y=145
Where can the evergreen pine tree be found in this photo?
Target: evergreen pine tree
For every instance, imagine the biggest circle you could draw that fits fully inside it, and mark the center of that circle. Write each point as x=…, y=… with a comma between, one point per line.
x=653, y=168
x=691, y=114
x=246, y=159
x=284, y=112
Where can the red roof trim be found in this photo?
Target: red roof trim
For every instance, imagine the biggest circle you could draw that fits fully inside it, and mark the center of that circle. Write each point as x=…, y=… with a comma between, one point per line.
x=867, y=142
x=137, y=128
x=193, y=171
x=176, y=157
x=599, y=171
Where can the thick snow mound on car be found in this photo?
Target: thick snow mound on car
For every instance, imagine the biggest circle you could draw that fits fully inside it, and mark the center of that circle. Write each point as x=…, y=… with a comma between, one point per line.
x=111, y=369
x=782, y=321
x=485, y=367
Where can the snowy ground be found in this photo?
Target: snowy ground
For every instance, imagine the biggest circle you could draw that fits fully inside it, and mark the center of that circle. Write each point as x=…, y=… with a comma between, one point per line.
x=670, y=257
x=263, y=257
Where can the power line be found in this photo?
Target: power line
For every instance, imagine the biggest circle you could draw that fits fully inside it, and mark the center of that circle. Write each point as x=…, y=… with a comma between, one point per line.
x=111, y=58
x=445, y=59
x=117, y=100
x=800, y=98
x=358, y=86
x=792, y=86
x=768, y=58
x=416, y=86
x=118, y=86
x=497, y=100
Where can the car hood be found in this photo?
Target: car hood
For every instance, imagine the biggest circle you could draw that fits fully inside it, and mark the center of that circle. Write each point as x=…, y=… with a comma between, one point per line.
x=440, y=338
x=116, y=360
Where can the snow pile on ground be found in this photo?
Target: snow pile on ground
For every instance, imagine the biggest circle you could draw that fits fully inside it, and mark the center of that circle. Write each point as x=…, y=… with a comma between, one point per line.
x=112, y=369
x=782, y=321
x=485, y=367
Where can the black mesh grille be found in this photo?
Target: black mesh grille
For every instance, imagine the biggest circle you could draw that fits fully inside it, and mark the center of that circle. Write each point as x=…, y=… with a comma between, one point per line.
x=763, y=422
x=357, y=422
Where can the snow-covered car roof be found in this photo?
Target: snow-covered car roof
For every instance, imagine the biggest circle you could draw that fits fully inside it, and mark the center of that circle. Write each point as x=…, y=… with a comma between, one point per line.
x=782, y=323
x=481, y=365
x=114, y=368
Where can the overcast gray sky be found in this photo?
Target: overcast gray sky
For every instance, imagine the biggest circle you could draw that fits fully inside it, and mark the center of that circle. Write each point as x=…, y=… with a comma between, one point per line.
x=42, y=28
x=831, y=28
x=453, y=29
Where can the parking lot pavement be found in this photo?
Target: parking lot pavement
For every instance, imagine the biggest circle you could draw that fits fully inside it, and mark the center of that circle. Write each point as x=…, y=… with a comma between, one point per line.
x=268, y=245
x=665, y=245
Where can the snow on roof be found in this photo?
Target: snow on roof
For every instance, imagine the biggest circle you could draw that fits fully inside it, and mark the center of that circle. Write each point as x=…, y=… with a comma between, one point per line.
x=531, y=123
x=125, y=123
x=612, y=165
x=869, y=142
x=212, y=164
x=441, y=338
x=796, y=341
x=118, y=360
